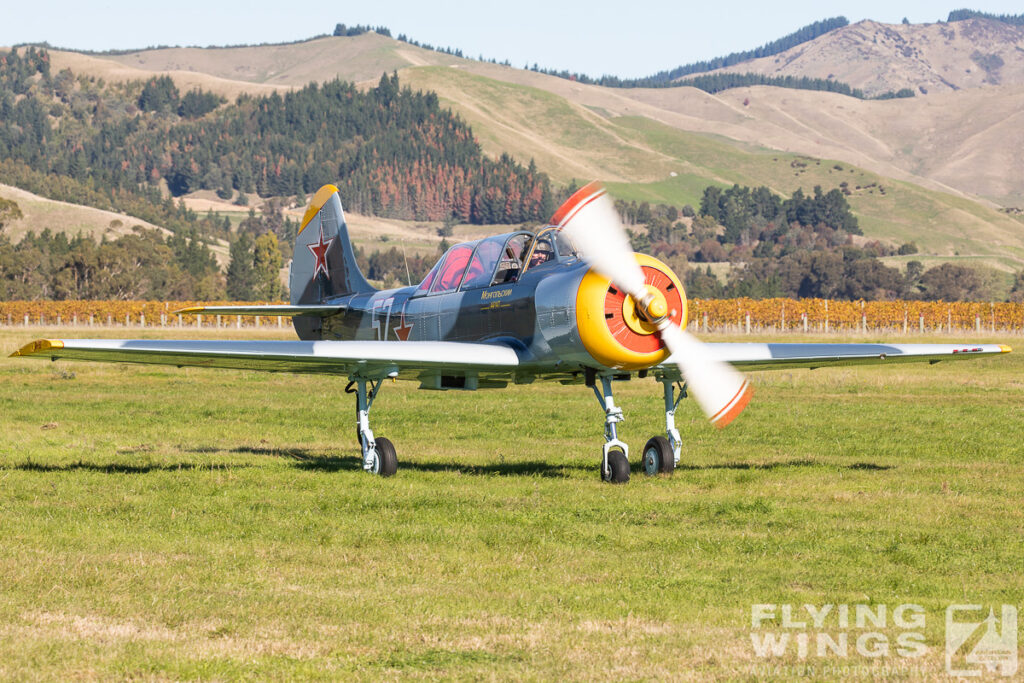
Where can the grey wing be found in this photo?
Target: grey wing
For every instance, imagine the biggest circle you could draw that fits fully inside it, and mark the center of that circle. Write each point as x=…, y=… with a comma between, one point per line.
x=768, y=356
x=430, y=362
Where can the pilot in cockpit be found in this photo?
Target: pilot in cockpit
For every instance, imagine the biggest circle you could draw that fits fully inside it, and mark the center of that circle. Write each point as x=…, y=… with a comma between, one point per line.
x=542, y=253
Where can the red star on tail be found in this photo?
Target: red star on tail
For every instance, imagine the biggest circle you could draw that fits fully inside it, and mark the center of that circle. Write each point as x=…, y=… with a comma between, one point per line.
x=320, y=254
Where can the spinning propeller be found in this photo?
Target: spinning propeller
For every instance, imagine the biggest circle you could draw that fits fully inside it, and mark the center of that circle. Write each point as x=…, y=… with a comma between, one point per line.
x=591, y=222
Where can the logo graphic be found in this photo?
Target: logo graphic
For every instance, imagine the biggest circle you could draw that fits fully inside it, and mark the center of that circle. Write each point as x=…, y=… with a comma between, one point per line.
x=402, y=331
x=975, y=642
x=320, y=254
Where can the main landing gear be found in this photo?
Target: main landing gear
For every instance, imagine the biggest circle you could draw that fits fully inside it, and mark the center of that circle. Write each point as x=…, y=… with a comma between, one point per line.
x=660, y=454
x=379, y=455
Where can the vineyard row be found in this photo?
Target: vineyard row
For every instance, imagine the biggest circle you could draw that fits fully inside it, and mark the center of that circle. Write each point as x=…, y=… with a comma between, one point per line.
x=708, y=315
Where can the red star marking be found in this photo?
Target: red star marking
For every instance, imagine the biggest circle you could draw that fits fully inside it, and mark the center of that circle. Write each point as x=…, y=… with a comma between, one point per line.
x=320, y=254
x=403, y=330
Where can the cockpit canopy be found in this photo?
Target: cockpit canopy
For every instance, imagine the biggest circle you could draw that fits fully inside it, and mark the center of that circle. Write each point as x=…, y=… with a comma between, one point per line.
x=496, y=260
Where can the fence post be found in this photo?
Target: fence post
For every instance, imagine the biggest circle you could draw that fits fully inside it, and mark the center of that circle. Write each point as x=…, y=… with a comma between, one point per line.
x=992, y=307
x=783, y=327
x=949, y=319
x=280, y=324
x=864, y=323
x=110, y=320
x=705, y=321
x=179, y=320
x=238, y=322
x=218, y=322
x=58, y=319
x=920, y=321
x=26, y=321
x=74, y=320
x=127, y=320
x=804, y=317
x=905, y=321
x=826, y=316
x=90, y=320
x=199, y=320
x=257, y=321
x=977, y=322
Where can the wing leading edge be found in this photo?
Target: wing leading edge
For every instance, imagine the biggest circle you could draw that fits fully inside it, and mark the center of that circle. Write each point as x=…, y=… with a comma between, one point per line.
x=768, y=356
x=371, y=359
x=424, y=360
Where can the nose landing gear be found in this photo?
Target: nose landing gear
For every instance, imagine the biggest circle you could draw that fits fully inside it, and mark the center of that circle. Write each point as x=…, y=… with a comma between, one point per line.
x=660, y=454
x=614, y=453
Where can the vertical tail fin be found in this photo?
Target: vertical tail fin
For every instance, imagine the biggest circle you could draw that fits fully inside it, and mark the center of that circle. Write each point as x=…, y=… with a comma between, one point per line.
x=324, y=263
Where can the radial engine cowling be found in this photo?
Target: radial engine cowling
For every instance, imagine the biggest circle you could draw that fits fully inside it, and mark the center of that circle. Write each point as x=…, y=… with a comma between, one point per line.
x=611, y=328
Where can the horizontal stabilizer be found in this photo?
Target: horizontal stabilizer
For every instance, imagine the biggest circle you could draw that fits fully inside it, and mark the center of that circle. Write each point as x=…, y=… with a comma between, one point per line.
x=268, y=310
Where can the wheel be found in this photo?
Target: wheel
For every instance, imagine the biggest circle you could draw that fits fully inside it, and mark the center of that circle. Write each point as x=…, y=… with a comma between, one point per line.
x=618, y=467
x=387, y=459
x=658, y=457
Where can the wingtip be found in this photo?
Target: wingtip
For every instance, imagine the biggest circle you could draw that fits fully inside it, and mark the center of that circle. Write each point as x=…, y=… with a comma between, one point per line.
x=38, y=346
x=190, y=309
x=1003, y=348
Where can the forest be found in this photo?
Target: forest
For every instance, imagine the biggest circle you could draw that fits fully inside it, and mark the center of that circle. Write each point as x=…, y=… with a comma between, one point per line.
x=133, y=147
x=963, y=14
x=395, y=151
x=799, y=247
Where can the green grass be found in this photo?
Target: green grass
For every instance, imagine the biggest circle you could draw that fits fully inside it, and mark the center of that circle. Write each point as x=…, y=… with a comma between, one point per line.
x=186, y=524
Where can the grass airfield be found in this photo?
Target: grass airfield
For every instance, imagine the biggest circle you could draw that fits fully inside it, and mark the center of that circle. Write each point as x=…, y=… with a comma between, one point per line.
x=163, y=523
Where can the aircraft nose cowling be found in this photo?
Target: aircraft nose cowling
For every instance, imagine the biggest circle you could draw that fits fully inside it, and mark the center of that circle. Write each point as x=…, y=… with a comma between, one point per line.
x=612, y=329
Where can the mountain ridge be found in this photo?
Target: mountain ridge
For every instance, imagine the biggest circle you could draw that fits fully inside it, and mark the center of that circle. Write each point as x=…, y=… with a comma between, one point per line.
x=926, y=58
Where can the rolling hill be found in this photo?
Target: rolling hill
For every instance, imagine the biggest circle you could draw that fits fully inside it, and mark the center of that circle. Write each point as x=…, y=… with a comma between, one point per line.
x=927, y=58
x=946, y=160
x=953, y=143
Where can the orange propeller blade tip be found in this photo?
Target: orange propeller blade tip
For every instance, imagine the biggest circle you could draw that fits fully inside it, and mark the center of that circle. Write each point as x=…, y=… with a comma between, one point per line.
x=577, y=201
x=734, y=407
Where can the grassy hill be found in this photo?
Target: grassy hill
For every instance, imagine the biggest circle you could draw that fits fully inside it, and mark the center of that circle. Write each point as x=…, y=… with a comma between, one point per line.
x=944, y=161
x=40, y=213
x=956, y=141
x=646, y=160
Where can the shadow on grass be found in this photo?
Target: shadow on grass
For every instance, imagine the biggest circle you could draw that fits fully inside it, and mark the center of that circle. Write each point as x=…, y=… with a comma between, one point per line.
x=507, y=469
x=304, y=459
x=120, y=468
x=768, y=466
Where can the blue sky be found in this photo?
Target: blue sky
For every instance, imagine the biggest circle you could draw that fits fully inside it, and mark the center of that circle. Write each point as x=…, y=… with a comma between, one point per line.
x=625, y=38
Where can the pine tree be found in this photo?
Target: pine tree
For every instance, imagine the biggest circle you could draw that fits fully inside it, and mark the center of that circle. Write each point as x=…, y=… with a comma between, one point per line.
x=267, y=262
x=241, y=271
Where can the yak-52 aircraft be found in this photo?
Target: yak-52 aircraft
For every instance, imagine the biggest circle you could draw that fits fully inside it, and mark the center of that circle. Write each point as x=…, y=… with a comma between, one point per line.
x=570, y=303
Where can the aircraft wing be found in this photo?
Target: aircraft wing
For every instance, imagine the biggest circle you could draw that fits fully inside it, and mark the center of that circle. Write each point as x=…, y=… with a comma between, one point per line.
x=769, y=356
x=283, y=310
x=371, y=359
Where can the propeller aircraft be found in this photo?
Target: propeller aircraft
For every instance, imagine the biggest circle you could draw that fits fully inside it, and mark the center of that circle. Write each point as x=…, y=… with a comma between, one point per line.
x=570, y=303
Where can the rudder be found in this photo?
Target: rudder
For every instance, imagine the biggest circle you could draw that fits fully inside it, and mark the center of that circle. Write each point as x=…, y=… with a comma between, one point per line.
x=324, y=263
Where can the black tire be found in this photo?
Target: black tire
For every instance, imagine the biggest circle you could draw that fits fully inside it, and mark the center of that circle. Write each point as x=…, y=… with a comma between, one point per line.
x=618, y=467
x=657, y=457
x=387, y=459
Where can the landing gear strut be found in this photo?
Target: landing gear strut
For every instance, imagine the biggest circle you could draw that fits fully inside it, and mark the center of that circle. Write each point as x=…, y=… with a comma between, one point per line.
x=661, y=454
x=614, y=453
x=379, y=455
